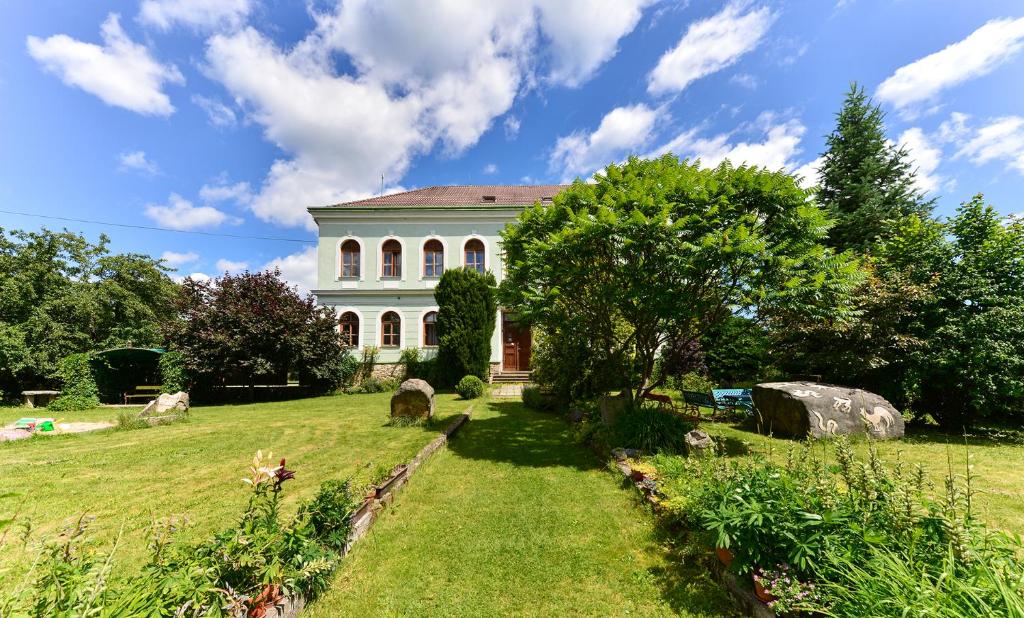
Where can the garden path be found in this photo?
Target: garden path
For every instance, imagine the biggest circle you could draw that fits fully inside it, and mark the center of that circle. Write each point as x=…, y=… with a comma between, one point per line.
x=514, y=518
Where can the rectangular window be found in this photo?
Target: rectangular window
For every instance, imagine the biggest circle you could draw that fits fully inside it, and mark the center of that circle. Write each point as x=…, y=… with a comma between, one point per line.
x=392, y=264
x=389, y=338
x=433, y=263
x=349, y=265
x=475, y=260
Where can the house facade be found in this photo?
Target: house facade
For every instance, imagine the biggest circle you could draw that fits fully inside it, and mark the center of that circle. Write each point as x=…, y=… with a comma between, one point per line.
x=379, y=259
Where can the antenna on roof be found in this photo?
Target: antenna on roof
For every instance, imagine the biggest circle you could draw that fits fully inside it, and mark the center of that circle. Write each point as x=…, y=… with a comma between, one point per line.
x=382, y=184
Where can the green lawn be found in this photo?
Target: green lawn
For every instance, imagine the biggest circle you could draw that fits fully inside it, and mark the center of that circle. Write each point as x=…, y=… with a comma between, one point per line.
x=998, y=461
x=192, y=469
x=515, y=519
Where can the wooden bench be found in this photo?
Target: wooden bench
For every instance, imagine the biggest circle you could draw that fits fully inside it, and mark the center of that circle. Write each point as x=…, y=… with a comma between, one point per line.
x=145, y=394
x=666, y=403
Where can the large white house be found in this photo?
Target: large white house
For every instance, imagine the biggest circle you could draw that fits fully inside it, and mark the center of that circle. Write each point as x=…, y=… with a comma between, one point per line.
x=380, y=258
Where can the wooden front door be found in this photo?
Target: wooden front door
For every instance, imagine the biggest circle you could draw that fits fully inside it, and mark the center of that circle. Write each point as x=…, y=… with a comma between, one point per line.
x=516, y=343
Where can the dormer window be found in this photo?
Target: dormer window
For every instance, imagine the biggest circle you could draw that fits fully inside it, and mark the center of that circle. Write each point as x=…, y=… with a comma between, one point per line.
x=391, y=259
x=489, y=199
x=547, y=199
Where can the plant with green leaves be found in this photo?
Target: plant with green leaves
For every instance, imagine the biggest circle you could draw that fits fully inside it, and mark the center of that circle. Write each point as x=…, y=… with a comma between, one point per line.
x=867, y=182
x=470, y=387
x=466, y=310
x=78, y=384
x=661, y=250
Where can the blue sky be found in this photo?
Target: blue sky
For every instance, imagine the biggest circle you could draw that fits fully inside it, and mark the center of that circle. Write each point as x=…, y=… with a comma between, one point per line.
x=233, y=116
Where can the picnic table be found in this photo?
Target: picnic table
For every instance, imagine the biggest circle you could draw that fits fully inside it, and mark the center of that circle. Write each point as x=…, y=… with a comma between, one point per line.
x=43, y=398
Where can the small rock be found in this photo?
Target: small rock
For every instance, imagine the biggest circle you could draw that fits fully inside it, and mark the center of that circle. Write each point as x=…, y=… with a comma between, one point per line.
x=699, y=444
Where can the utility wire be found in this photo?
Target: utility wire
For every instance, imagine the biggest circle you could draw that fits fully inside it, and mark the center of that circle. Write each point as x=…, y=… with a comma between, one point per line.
x=158, y=229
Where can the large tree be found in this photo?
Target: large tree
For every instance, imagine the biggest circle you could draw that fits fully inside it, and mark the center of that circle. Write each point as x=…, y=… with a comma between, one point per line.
x=466, y=312
x=661, y=250
x=61, y=294
x=867, y=182
x=243, y=329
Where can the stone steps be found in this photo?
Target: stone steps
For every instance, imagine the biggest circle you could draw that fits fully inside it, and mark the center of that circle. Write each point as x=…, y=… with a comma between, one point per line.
x=511, y=377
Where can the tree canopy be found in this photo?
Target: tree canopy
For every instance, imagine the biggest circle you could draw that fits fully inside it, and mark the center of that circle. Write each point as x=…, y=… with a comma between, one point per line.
x=61, y=294
x=661, y=250
x=466, y=313
x=867, y=182
x=251, y=327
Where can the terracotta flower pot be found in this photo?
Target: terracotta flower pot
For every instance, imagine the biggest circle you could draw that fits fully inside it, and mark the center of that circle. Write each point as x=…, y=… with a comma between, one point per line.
x=725, y=555
x=761, y=593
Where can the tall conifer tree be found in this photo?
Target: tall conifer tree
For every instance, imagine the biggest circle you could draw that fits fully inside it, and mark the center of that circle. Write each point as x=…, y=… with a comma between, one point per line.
x=867, y=182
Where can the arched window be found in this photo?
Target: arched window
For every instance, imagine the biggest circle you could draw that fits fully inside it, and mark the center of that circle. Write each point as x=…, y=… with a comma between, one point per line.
x=390, y=330
x=350, y=259
x=433, y=258
x=349, y=326
x=430, y=328
x=391, y=259
x=474, y=250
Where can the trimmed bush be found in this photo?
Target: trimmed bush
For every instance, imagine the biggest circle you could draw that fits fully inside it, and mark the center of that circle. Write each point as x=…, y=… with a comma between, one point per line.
x=465, y=322
x=470, y=387
x=79, y=391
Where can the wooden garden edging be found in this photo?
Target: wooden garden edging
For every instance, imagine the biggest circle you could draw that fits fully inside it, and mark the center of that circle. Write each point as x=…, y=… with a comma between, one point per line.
x=362, y=520
x=745, y=599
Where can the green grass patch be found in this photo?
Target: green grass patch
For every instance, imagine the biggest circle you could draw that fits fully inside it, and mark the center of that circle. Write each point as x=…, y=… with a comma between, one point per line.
x=513, y=518
x=192, y=470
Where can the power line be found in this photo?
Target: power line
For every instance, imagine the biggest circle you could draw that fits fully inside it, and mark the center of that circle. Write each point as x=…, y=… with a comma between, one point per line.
x=158, y=229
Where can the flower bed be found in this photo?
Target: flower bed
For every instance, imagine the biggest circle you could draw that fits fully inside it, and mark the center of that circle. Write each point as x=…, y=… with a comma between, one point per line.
x=846, y=537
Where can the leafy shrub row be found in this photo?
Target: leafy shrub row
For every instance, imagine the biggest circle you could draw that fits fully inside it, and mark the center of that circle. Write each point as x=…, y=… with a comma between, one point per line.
x=247, y=569
x=857, y=537
x=79, y=390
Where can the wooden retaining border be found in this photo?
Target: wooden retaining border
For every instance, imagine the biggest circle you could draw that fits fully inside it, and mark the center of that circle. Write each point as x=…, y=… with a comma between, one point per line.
x=362, y=520
x=745, y=599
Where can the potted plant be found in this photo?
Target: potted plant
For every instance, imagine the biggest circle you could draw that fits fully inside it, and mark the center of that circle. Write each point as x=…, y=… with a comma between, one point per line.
x=725, y=555
x=782, y=591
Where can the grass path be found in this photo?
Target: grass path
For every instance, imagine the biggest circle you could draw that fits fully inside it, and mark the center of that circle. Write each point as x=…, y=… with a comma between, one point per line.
x=513, y=519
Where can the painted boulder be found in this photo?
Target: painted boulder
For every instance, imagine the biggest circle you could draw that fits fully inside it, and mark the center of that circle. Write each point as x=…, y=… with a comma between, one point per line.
x=414, y=398
x=821, y=410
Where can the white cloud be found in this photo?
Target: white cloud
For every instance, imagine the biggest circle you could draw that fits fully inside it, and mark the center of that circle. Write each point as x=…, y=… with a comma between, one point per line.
x=511, y=127
x=412, y=87
x=220, y=115
x=180, y=214
x=138, y=162
x=196, y=14
x=777, y=151
x=583, y=34
x=299, y=269
x=195, y=276
x=981, y=52
x=222, y=190
x=621, y=131
x=228, y=266
x=175, y=259
x=808, y=172
x=710, y=45
x=490, y=168
x=120, y=72
x=1002, y=139
x=744, y=80
x=926, y=158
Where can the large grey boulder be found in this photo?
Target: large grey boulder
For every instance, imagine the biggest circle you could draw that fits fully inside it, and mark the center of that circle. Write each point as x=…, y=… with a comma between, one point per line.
x=414, y=398
x=166, y=404
x=821, y=410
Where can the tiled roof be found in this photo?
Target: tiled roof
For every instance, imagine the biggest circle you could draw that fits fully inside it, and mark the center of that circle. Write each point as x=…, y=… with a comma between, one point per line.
x=463, y=195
